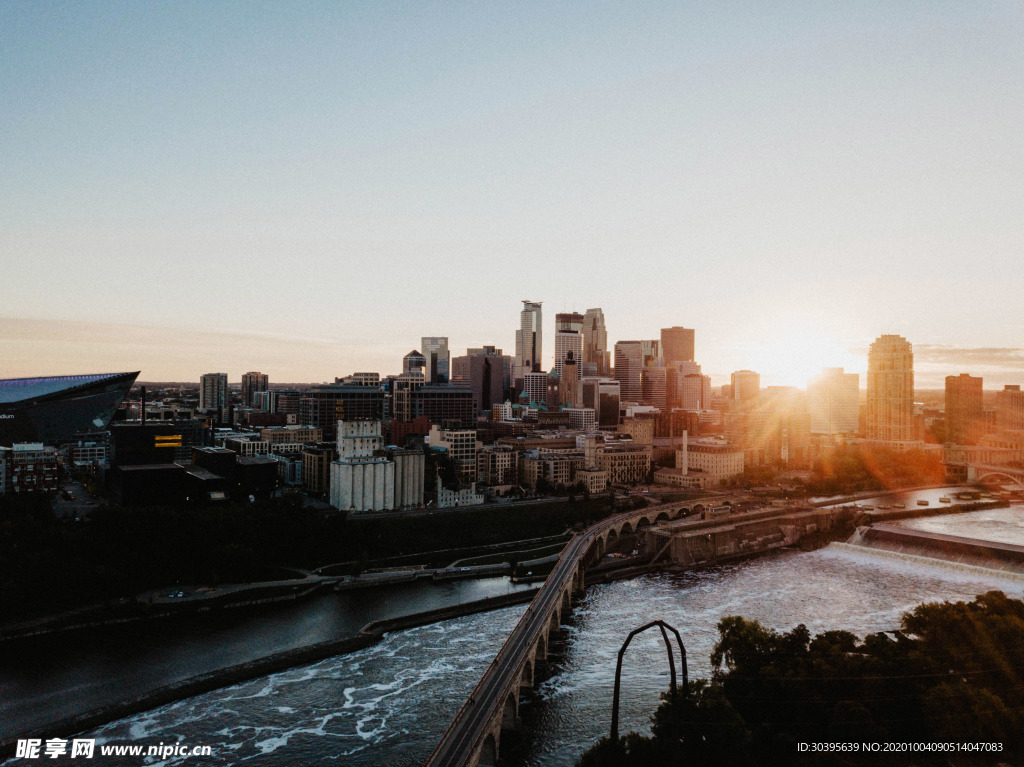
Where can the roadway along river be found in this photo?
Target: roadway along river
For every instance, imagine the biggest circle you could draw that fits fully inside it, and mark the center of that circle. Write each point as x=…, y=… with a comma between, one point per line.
x=390, y=703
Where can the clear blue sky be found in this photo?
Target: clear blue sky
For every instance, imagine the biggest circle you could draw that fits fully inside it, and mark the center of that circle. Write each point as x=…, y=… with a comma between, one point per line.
x=308, y=188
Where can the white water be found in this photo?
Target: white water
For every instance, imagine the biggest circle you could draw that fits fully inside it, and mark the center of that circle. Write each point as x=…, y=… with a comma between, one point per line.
x=390, y=703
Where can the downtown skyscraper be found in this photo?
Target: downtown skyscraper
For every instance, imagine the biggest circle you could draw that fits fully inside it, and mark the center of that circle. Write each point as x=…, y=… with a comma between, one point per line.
x=890, y=410
x=595, y=343
x=528, y=339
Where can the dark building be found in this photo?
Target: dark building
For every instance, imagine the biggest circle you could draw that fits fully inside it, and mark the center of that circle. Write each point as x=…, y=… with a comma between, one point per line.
x=149, y=443
x=485, y=377
x=155, y=484
x=53, y=410
x=323, y=406
x=446, y=406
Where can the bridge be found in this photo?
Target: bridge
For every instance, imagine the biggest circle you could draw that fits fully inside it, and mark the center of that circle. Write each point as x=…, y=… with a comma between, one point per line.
x=473, y=738
x=977, y=472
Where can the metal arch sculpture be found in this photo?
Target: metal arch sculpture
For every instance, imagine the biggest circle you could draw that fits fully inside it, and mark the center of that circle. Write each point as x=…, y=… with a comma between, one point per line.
x=614, y=735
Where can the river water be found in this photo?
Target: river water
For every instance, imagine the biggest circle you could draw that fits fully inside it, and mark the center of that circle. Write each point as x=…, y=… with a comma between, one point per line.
x=390, y=703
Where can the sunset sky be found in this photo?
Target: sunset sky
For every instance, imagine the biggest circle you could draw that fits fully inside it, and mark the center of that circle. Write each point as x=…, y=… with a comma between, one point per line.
x=306, y=189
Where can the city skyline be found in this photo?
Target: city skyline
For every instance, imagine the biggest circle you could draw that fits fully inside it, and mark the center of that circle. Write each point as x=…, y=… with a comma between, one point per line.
x=791, y=183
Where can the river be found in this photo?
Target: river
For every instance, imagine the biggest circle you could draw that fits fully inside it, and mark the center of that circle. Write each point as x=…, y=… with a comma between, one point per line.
x=390, y=703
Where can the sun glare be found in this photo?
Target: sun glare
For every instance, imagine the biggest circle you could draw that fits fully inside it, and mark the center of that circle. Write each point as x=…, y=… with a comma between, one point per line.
x=794, y=359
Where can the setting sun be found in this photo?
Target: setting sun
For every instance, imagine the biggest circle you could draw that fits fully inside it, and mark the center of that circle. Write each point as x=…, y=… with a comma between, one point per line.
x=793, y=359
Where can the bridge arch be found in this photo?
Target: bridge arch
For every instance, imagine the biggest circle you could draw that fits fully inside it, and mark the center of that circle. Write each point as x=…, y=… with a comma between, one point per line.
x=626, y=528
x=663, y=516
x=566, y=601
x=489, y=751
x=509, y=712
x=982, y=474
x=527, y=678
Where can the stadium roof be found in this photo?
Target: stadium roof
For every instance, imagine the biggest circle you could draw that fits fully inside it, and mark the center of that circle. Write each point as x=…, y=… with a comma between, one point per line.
x=20, y=389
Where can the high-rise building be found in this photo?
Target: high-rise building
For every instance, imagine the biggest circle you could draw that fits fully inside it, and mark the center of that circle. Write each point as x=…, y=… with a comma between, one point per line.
x=746, y=385
x=323, y=406
x=213, y=391
x=535, y=388
x=528, y=339
x=651, y=350
x=629, y=361
x=601, y=394
x=965, y=414
x=595, y=341
x=568, y=338
x=252, y=382
x=435, y=352
x=652, y=383
x=484, y=375
x=1010, y=408
x=413, y=362
x=833, y=401
x=890, y=405
x=568, y=383
x=677, y=344
x=694, y=391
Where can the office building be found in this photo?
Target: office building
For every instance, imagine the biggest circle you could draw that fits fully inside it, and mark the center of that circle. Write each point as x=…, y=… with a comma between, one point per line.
x=965, y=414
x=484, y=374
x=833, y=402
x=437, y=358
x=677, y=344
x=569, y=383
x=213, y=392
x=29, y=467
x=890, y=405
x=445, y=405
x=414, y=362
x=321, y=407
x=529, y=339
x=1010, y=408
x=653, y=386
x=595, y=342
x=746, y=385
x=603, y=396
x=507, y=364
x=535, y=388
x=694, y=391
x=253, y=382
x=629, y=361
x=461, y=447
x=568, y=338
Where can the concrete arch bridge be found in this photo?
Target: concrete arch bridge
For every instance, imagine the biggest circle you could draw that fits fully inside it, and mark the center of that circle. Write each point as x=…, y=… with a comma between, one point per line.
x=474, y=736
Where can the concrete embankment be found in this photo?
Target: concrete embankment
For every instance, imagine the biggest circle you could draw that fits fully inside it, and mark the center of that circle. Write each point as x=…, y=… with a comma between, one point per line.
x=370, y=634
x=992, y=555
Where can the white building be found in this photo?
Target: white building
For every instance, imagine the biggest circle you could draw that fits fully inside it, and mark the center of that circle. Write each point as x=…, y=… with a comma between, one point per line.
x=361, y=481
x=833, y=401
x=581, y=418
x=460, y=445
x=715, y=459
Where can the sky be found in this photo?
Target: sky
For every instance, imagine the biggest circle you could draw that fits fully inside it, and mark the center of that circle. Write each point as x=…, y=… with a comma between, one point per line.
x=306, y=189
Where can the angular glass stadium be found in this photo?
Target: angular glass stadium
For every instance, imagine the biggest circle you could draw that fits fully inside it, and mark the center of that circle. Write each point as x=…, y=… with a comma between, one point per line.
x=54, y=409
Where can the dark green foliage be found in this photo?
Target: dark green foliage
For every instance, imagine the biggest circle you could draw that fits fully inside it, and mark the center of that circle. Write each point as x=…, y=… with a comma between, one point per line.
x=954, y=672
x=49, y=564
x=853, y=468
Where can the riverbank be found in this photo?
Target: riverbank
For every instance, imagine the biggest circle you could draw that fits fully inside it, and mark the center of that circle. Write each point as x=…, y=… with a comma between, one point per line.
x=371, y=633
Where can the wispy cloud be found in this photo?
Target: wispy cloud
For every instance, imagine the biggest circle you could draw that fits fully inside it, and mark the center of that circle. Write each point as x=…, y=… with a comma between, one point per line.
x=31, y=347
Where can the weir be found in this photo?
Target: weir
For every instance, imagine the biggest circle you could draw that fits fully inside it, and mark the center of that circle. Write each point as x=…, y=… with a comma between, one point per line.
x=910, y=544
